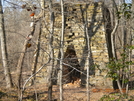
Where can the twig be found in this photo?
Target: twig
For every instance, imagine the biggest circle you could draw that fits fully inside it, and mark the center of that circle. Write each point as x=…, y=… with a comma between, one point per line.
x=23, y=88
x=35, y=74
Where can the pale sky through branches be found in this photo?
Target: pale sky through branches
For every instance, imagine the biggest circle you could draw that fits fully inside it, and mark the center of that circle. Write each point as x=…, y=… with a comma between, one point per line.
x=128, y=1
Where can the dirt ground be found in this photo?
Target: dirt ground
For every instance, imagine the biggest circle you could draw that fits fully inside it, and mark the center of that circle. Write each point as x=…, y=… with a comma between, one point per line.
x=70, y=93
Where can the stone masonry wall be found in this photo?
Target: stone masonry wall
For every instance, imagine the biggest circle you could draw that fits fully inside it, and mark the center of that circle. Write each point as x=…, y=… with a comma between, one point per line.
x=75, y=15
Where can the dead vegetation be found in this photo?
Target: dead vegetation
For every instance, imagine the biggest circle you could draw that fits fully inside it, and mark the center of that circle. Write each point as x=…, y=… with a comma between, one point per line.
x=71, y=93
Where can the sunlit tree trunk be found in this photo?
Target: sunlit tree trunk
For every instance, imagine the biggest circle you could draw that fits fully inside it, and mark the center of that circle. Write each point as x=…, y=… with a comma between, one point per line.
x=113, y=42
x=89, y=55
x=4, y=50
x=61, y=51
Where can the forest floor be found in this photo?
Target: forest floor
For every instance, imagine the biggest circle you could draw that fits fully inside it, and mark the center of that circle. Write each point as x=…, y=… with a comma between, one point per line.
x=70, y=93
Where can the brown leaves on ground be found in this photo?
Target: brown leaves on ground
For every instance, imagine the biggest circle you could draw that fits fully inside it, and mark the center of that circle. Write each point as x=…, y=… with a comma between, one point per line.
x=70, y=93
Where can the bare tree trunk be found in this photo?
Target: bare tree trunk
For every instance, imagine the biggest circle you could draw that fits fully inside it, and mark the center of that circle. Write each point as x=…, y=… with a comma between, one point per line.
x=50, y=83
x=124, y=42
x=61, y=50
x=21, y=59
x=19, y=69
x=36, y=55
x=129, y=67
x=20, y=62
x=4, y=50
x=88, y=57
x=131, y=42
x=113, y=43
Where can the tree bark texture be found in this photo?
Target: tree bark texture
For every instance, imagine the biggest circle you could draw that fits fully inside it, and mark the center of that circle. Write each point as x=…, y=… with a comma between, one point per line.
x=4, y=50
x=21, y=58
x=61, y=51
x=89, y=55
x=50, y=83
x=35, y=57
x=113, y=43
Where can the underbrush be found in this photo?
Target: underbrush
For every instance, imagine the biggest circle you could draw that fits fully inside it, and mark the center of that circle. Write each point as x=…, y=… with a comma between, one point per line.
x=117, y=97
